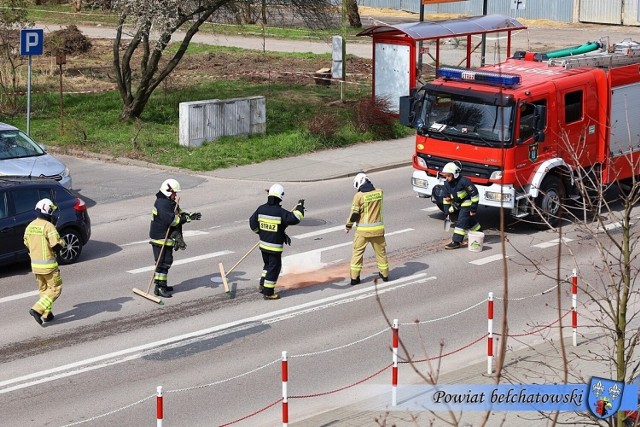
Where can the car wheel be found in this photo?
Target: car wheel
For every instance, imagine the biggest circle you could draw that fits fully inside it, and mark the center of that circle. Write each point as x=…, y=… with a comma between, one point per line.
x=549, y=202
x=72, y=249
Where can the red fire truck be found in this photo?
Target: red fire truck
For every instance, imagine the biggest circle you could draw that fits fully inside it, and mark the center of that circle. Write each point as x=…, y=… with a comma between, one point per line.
x=528, y=130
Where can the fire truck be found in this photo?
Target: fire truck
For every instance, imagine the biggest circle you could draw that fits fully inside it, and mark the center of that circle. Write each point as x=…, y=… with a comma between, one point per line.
x=530, y=130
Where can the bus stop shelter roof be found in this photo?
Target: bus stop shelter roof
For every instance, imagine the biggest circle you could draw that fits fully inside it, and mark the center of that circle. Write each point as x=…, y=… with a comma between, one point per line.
x=448, y=28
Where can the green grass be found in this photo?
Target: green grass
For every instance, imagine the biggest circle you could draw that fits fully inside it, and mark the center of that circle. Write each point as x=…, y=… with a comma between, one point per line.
x=63, y=15
x=91, y=124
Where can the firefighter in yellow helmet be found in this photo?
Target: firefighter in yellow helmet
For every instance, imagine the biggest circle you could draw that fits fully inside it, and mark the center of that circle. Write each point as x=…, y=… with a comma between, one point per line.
x=43, y=242
x=366, y=212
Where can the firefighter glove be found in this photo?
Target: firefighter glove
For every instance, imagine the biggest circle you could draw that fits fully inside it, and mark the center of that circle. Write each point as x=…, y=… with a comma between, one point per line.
x=184, y=217
x=195, y=216
x=287, y=239
x=452, y=209
x=300, y=207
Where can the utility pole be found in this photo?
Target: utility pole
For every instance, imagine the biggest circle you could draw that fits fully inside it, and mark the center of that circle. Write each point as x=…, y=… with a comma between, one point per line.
x=420, y=42
x=484, y=37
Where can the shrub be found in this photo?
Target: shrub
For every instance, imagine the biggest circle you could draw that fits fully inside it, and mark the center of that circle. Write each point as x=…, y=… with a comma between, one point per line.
x=373, y=115
x=324, y=126
x=69, y=40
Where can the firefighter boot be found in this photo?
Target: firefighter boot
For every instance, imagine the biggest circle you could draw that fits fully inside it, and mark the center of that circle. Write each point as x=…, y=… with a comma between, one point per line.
x=49, y=317
x=272, y=296
x=162, y=284
x=161, y=291
x=355, y=281
x=37, y=316
x=384, y=278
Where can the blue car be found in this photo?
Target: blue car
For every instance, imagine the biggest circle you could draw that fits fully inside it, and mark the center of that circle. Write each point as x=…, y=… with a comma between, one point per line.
x=18, y=198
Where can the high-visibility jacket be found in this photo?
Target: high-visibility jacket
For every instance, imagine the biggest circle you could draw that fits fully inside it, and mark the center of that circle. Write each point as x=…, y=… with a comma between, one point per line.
x=366, y=211
x=461, y=193
x=163, y=216
x=270, y=221
x=40, y=237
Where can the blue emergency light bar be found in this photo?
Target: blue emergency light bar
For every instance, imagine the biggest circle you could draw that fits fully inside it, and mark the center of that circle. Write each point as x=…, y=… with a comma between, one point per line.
x=486, y=77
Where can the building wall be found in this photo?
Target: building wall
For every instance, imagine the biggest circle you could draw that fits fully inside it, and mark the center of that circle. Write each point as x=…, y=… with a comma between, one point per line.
x=625, y=12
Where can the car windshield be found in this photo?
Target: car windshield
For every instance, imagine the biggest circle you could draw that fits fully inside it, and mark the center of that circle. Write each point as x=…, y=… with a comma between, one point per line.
x=450, y=117
x=15, y=144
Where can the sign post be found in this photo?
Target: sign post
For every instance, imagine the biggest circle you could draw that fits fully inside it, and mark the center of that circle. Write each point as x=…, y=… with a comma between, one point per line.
x=31, y=43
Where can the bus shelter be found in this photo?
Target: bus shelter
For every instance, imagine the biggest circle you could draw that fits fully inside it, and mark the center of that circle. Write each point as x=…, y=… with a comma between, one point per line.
x=396, y=49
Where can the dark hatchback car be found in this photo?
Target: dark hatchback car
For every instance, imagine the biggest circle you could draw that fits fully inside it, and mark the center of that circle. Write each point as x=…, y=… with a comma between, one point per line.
x=18, y=198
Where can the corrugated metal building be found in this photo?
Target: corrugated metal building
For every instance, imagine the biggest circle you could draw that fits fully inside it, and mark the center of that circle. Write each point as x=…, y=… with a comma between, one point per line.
x=617, y=12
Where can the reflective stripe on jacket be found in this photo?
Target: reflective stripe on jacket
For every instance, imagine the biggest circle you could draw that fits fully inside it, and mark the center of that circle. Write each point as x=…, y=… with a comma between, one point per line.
x=163, y=216
x=270, y=221
x=461, y=192
x=366, y=212
x=40, y=237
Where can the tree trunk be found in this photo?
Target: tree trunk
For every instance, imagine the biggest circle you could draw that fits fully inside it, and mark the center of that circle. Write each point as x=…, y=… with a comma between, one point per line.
x=353, y=14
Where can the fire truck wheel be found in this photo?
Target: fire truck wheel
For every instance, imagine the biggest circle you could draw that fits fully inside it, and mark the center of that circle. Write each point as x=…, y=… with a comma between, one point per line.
x=549, y=202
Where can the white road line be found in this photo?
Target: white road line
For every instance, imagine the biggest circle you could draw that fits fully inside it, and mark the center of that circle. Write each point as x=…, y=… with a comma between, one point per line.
x=609, y=227
x=551, y=243
x=182, y=261
x=431, y=209
x=487, y=260
x=140, y=351
x=319, y=232
x=19, y=296
x=186, y=233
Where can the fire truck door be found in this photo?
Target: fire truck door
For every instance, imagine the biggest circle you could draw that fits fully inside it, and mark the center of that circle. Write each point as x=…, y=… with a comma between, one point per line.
x=578, y=112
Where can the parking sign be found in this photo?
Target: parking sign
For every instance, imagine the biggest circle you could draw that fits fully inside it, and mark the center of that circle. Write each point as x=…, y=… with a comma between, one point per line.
x=31, y=41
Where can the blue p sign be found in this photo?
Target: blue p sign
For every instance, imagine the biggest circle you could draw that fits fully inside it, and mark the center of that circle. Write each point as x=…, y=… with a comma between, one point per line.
x=31, y=41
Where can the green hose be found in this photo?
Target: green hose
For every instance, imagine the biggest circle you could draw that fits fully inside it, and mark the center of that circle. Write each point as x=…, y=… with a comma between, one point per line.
x=573, y=50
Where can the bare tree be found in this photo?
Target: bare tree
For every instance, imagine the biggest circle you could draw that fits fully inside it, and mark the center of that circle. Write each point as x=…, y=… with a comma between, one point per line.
x=353, y=14
x=13, y=16
x=152, y=25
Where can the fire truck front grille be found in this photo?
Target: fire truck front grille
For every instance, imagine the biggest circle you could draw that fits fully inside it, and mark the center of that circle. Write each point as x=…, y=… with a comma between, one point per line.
x=473, y=170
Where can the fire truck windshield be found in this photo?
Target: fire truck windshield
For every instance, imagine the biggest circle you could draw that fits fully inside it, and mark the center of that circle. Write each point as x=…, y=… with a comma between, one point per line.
x=465, y=120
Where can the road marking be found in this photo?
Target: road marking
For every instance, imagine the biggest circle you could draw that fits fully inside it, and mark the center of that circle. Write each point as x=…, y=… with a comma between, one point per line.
x=19, y=296
x=609, y=227
x=186, y=233
x=551, y=243
x=182, y=261
x=487, y=260
x=140, y=351
x=319, y=232
x=431, y=209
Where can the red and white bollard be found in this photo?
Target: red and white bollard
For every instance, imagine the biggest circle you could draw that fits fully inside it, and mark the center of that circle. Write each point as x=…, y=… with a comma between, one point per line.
x=490, y=334
x=394, y=369
x=159, y=407
x=285, y=399
x=574, y=306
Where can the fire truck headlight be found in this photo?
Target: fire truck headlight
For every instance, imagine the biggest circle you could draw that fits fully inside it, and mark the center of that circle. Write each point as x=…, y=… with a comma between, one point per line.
x=417, y=182
x=421, y=162
x=496, y=175
x=497, y=197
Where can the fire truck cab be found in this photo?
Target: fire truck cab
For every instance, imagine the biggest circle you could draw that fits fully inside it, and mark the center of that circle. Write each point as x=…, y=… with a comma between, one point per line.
x=529, y=130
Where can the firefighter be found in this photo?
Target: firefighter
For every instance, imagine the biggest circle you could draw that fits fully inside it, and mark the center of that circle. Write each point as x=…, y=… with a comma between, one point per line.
x=166, y=217
x=270, y=221
x=366, y=212
x=43, y=242
x=460, y=198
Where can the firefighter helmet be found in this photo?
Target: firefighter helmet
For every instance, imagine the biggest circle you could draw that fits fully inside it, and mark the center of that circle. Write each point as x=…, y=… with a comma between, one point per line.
x=451, y=168
x=360, y=179
x=277, y=190
x=170, y=186
x=46, y=206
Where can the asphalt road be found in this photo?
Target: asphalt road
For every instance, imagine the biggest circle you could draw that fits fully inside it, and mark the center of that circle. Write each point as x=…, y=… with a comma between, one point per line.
x=218, y=358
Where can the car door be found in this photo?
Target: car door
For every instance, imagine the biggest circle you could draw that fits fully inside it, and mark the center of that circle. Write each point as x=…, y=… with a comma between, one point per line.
x=10, y=242
x=24, y=204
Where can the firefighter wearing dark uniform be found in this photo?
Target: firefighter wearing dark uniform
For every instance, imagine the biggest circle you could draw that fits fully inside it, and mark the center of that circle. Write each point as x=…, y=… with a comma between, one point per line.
x=366, y=212
x=166, y=217
x=43, y=242
x=270, y=221
x=460, y=196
